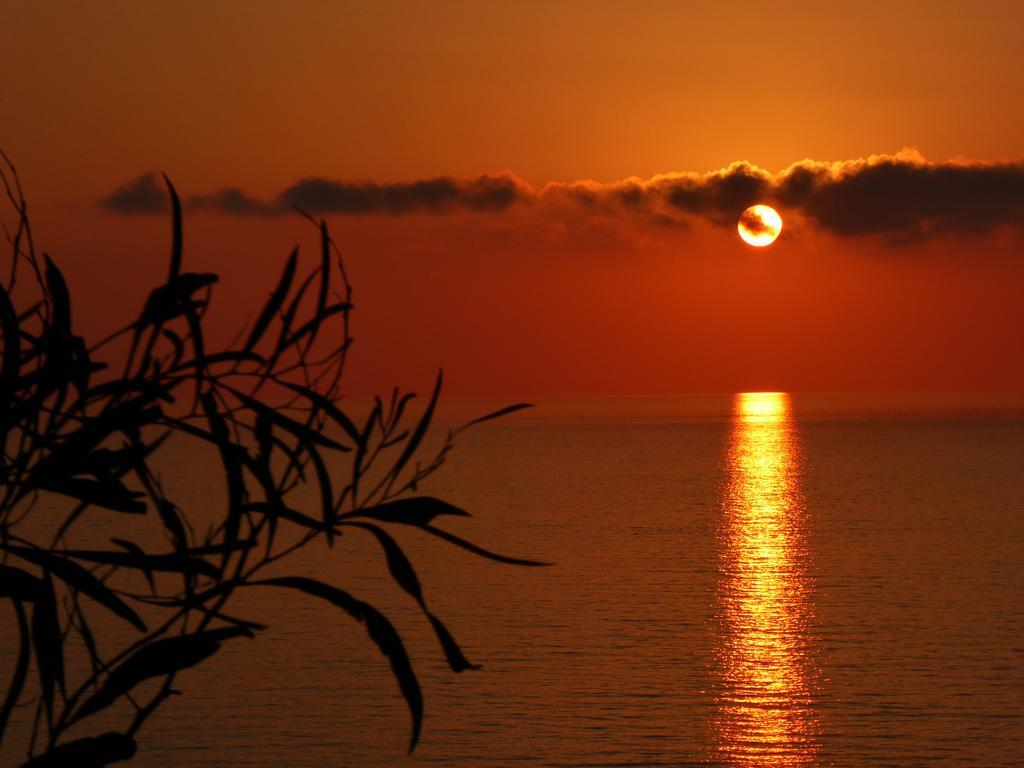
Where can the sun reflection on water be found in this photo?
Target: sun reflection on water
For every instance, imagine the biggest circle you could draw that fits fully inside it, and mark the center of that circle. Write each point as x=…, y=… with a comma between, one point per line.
x=765, y=693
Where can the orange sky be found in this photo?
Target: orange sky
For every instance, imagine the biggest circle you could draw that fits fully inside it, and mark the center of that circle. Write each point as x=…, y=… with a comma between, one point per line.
x=548, y=296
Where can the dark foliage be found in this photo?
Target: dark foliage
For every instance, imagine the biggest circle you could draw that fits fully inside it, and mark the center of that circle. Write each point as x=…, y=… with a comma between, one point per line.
x=74, y=425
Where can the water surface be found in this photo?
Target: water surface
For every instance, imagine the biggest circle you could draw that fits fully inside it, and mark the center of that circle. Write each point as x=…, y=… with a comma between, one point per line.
x=745, y=581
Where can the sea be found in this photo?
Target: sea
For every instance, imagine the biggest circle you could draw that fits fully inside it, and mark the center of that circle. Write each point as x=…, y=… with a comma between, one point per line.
x=751, y=579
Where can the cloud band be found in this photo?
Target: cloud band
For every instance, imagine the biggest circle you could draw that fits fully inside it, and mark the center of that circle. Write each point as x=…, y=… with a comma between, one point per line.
x=900, y=196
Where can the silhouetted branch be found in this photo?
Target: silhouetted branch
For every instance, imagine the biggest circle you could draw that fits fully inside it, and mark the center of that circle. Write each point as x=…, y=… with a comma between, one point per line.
x=270, y=404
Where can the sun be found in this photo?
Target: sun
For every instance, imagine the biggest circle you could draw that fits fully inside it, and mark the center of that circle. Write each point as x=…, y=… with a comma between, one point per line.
x=759, y=225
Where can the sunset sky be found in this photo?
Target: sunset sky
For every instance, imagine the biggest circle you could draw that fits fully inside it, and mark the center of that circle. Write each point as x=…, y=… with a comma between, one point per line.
x=542, y=197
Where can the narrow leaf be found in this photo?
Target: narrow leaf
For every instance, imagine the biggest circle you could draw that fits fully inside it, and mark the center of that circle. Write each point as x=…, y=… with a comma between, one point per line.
x=17, y=680
x=476, y=550
x=176, y=231
x=296, y=428
x=90, y=752
x=46, y=640
x=108, y=494
x=421, y=429
x=495, y=415
x=457, y=661
x=381, y=632
x=287, y=513
x=77, y=577
x=399, y=567
x=417, y=510
x=323, y=482
x=136, y=558
x=11, y=350
x=404, y=574
x=159, y=658
x=172, y=523
x=232, y=467
x=274, y=302
x=60, y=301
x=18, y=584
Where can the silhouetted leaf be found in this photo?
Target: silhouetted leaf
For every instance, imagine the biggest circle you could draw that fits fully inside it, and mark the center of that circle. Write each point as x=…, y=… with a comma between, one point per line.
x=77, y=577
x=108, y=493
x=381, y=632
x=87, y=638
x=323, y=482
x=274, y=302
x=60, y=302
x=18, y=584
x=255, y=626
x=172, y=522
x=325, y=281
x=398, y=408
x=287, y=513
x=118, y=389
x=82, y=367
x=65, y=457
x=159, y=658
x=176, y=231
x=421, y=429
x=47, y=642
x=471, y=547
x=311, y=327
x=136, y=558
x=293, y=307
x=232, y=467
x=9, y=365
x=495, y=415
x=298, y=429
x=362, y=445
x=457, y=661
x=90, y=752
x=416, y=510
x=177, y=343
x=333, y=411
x=174, y=298
x=400, y=568
x=107, y=461
x=404, y=574
x=17, y=679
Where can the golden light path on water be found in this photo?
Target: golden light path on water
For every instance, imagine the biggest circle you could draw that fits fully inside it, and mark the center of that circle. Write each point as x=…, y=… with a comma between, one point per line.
x=763, y=655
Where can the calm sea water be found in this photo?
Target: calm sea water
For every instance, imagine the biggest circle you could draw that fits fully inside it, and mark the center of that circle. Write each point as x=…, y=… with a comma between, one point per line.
x=757, y=580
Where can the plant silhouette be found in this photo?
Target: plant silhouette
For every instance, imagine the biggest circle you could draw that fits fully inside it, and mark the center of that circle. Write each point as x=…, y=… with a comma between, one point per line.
x=74, y=426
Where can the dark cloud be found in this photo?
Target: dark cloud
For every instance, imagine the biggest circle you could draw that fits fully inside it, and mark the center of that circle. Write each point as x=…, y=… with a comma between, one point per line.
x=143, y=194
x=631, y=196
x=912, y=199
x=440, y=195
x=234, y=201
x=495, y=193
x=719, y=196
x=902, y=197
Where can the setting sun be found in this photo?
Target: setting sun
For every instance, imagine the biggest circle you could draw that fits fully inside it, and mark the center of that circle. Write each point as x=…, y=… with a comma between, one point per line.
x=759, y=225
